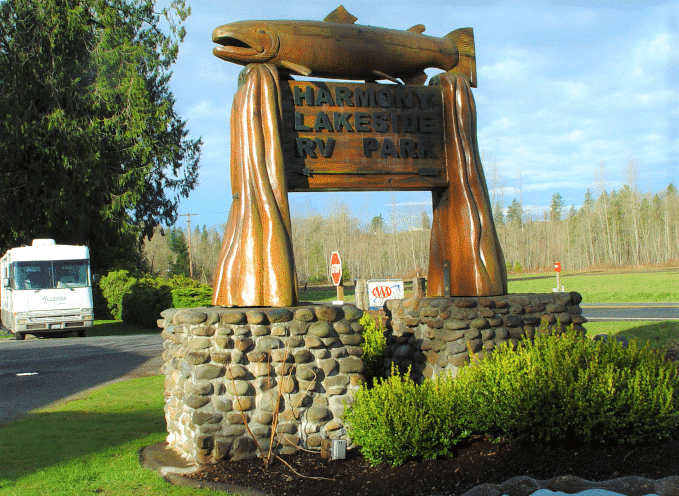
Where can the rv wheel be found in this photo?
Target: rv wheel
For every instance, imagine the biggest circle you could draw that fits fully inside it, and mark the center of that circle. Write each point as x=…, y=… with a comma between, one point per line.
x=19, y=336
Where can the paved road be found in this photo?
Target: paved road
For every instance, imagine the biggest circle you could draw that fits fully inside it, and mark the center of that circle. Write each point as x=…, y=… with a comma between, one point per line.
x=600, y=312
x=37, y=372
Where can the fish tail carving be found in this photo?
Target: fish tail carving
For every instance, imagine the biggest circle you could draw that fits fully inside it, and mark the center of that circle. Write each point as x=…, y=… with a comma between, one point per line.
x=464, y=39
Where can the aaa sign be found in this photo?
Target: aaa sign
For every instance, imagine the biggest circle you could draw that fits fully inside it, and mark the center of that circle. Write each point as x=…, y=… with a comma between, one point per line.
x=336, y=268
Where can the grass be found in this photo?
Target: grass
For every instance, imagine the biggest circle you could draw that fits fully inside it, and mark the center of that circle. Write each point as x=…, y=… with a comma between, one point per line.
x=89, y=445
x=117, y=328
x=325, y=293
x=638, y=287
x=657, y=334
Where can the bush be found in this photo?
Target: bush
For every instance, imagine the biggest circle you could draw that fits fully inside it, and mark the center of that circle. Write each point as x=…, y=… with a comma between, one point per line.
x=556, y=387
x=114, y=286
x=192, y=297
x=178, y=281
x=373, y=346
x=144, y=301
x=140, y=300
x=396, y=420
x=565, y=386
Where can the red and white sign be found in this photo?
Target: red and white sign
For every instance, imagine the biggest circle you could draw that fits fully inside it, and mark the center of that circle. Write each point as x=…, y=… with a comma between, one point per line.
x=381, y=290
x=557, y=267
x=336, y=268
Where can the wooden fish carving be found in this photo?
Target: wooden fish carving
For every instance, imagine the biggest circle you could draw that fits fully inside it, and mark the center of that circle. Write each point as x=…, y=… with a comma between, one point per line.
x=338, y=48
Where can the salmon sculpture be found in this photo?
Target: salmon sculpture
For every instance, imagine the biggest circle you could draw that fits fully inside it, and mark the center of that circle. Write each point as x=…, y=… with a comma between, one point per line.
x=338, y=48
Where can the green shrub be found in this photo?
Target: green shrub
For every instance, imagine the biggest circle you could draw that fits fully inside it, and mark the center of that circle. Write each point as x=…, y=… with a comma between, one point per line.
x=568, y=387
x=373, y=346
x=141, y=299
x=144, y=301
x=114, y=286
x=396, y=420
x=179, y=281
x=192, y=297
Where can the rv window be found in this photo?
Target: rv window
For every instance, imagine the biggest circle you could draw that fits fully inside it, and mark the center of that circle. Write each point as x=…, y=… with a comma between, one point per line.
x=70, y=274
x=33, y=275
x=51, y=274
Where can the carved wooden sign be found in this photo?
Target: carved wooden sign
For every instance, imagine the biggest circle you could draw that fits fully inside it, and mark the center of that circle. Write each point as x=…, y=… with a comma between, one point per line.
x=356, y=137
x=289, y=135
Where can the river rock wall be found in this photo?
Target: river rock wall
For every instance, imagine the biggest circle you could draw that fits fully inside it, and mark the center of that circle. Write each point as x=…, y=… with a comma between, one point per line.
x=239, y=380
x=436, y=335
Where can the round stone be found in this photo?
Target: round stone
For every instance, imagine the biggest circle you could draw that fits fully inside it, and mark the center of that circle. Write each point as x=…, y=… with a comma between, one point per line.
x=276, y=315
x=232, y=317
x=238, y=388
x=304, y=314
x=255, y=317
x=326, y=313
x=317, y=413
x=208, y=372
x=321, y=329
x=480, y=323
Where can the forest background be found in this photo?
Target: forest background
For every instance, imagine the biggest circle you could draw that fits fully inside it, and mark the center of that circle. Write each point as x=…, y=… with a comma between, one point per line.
x=618, y=228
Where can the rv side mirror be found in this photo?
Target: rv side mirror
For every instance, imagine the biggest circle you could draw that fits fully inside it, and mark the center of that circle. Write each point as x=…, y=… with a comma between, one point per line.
x=95, y=278
x=5, y=282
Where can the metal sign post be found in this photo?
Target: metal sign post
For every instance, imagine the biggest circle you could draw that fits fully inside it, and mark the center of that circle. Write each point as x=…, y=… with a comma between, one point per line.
x=557, y=270
x=336, y=274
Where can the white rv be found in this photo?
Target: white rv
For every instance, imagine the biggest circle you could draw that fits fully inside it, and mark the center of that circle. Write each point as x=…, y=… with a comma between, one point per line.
x=46, y=288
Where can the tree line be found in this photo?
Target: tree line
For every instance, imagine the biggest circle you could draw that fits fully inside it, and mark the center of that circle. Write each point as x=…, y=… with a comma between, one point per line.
x=618, y=228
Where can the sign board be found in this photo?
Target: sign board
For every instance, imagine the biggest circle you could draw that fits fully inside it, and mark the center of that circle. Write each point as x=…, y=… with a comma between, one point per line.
x=557, y=267
x=336, y=268
x=358, y=137
x=381, y=290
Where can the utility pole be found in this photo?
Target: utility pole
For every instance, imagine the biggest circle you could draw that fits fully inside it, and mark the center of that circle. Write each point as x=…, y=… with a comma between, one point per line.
x=188, y=228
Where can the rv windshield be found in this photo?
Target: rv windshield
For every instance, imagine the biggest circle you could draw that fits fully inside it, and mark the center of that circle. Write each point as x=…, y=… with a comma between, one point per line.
x=51, y=274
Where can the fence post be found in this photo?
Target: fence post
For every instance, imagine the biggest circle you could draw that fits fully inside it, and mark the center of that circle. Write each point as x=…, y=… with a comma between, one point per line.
x=361, y=293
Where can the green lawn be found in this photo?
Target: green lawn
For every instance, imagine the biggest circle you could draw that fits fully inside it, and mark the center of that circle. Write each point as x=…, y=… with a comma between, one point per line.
x=637, y=287
x=89, y=445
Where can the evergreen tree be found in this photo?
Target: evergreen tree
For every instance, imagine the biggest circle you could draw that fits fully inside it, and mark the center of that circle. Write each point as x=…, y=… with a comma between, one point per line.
x=91, y=148
x=556, y=207
x=515, y=213
x=179, y=247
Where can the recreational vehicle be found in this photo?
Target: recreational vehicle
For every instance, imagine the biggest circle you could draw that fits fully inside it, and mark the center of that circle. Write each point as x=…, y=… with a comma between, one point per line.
x=46, y=288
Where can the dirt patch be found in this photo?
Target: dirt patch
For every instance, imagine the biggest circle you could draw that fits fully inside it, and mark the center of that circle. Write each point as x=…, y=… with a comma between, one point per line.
x=477, y=461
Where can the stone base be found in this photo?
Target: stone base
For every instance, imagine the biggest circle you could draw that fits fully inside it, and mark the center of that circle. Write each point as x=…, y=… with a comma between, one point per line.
x=238, y=379
x=436, y=335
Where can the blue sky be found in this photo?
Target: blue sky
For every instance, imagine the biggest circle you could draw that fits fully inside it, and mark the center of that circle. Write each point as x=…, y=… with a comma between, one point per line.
x=563, y=88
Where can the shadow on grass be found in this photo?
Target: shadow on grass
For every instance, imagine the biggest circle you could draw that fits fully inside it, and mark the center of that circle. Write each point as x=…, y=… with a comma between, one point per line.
x=657, y=334
x=40, y=372
x=50, y=438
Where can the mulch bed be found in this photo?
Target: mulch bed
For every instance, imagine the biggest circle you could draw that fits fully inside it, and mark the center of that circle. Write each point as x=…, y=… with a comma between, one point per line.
x=477, y=461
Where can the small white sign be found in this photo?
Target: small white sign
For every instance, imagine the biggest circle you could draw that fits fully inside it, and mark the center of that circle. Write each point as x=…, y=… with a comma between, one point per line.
x=381, y=290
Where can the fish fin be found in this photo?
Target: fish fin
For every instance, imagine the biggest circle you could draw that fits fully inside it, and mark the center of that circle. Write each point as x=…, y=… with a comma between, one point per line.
x=464, y=39
x=341, y=16
x=417, y=28
x=382, y=75
x=299, y=69
x=419, y=78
